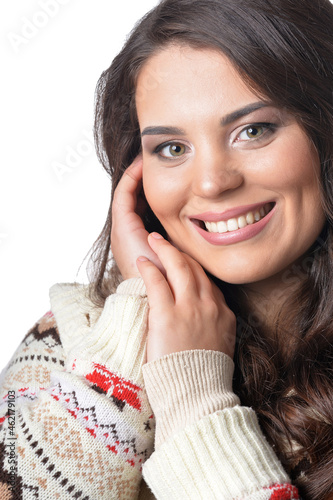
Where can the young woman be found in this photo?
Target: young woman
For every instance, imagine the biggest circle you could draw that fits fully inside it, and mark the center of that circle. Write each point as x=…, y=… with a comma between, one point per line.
x=215, y=123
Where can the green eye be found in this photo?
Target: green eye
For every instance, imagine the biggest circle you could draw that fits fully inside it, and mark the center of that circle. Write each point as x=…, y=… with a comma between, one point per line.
x=254, y=132
x=173, y=150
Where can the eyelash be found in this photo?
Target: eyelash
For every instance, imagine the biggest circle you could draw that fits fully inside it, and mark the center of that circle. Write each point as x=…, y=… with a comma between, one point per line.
x=269, y=128
x=165, y=145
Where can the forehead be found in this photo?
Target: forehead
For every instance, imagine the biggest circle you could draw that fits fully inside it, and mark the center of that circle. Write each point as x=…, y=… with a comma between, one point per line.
x=186, y=80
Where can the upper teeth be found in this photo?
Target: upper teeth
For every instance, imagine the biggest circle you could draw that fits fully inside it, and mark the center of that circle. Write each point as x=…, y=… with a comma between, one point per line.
x=239, y=222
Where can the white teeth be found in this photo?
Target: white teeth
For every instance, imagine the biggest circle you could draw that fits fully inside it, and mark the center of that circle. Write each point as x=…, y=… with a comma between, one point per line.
x=240, y=222
x=232, y=224
x=222, y=227
x=250, y=218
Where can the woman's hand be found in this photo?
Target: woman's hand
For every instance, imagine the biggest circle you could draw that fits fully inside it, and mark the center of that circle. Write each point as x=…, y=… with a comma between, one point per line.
x=187, y=310
x=128, y=234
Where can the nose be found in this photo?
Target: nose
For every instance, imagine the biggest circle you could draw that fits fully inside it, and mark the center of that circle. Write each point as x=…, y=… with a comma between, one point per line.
x=214, y=173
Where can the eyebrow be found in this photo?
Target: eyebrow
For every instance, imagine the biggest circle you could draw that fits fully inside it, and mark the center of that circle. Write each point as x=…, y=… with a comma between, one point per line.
x=239, y=113
x=163, y=131
x=226, y=120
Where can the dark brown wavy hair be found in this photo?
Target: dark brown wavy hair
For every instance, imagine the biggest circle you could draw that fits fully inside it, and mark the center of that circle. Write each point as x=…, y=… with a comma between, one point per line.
x=283, y=49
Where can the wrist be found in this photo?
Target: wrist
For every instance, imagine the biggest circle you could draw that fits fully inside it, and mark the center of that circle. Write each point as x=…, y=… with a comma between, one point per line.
x=185, y=386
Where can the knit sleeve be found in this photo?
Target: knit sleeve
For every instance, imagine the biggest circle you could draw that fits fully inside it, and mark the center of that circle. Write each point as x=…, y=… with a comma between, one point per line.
x=207, y=445
x=75, y=417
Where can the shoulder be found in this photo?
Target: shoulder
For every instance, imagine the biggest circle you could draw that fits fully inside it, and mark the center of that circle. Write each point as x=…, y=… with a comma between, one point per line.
x=43, y=349
x=73, y=311
x=39, y=353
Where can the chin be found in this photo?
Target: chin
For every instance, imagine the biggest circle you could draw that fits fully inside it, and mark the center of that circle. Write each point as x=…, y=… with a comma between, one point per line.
x=239, y=278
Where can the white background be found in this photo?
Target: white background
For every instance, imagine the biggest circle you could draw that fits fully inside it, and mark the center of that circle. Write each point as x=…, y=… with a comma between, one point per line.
x=51, y=58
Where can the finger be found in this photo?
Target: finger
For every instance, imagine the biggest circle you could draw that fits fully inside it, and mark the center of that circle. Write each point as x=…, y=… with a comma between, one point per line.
x=183, y=273
x=133, y=174
x=158, y=290
x=129, y=186
x=200, y=284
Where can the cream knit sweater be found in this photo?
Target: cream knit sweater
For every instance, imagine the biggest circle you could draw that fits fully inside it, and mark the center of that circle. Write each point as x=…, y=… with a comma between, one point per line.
x=79, y=407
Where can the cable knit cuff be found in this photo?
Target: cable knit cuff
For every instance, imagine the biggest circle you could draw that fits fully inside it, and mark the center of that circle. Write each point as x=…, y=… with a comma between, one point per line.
x=222, y=456
x=185, y=386
x=116, y=338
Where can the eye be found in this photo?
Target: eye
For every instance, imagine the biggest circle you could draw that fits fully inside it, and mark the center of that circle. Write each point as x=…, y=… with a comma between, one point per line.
x=171, y=150
x=251, y=132
x=255, y=131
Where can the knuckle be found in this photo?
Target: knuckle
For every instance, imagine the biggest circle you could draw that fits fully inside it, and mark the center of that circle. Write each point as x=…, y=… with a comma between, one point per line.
x=155, y=277
x=128, y=173
x=213, y=309
x=182, y=265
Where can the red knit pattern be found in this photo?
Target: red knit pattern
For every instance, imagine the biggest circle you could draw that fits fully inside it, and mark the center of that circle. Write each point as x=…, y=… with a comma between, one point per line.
x=116, y=386
x=283, y=492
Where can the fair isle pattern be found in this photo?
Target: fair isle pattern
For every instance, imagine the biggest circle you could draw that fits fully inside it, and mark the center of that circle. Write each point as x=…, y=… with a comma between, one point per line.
x=28, y=490
x=37, y=356
x=275, y=492
x=64, y=450
x=91, y=412
x=47, y=473
x=29, y=370
x=25, y=394
x=120, y=390
x=283, y=492
x=27, y=373
x=69, y=450
x=5, y=480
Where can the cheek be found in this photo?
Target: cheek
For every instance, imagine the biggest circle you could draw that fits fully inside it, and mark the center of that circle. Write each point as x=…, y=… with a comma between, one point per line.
x=165, y=195
x=155, y=197
x=291, y=168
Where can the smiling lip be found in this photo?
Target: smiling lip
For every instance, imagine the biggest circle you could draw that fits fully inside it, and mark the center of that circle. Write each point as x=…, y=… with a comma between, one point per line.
x=228, y=238
x=229, y=214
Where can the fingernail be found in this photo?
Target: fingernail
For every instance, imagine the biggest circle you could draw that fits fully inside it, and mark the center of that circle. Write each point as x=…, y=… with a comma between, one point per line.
x=157, y=236
x=142, y=259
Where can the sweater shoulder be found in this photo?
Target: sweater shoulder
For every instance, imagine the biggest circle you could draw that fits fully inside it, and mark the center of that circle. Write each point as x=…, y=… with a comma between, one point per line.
x=43, y=349
x=39, y=353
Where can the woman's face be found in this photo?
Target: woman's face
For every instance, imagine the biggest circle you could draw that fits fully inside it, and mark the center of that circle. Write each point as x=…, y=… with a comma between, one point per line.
x=233, y=179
